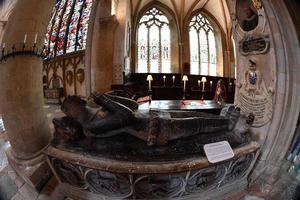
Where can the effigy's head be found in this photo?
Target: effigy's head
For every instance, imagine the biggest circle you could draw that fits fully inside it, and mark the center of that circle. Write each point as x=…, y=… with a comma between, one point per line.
x=72, y=106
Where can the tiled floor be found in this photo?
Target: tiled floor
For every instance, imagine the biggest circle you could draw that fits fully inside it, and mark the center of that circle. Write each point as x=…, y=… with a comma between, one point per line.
x=12, y=187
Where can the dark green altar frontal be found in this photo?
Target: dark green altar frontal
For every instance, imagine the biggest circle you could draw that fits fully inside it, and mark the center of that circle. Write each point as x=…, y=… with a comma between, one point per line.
x=123, y=167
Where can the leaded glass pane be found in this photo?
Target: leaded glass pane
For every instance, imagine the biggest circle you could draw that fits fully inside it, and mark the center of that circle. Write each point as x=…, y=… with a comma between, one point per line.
x=194, y=51
x=55, y=28
x=63, y=28
x=51, y=23
x=83, y=25
x=142, y=48
x=154, y=49
x=73, y=26
x=165, y=55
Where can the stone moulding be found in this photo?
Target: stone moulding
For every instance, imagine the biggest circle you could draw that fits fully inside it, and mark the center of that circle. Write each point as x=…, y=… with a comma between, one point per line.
x=100, y=177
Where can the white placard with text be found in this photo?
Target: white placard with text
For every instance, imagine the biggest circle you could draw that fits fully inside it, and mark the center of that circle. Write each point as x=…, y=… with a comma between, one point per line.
x=219, y=151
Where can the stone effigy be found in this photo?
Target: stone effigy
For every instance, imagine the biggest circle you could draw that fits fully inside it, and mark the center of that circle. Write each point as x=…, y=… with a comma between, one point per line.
x=116, y=115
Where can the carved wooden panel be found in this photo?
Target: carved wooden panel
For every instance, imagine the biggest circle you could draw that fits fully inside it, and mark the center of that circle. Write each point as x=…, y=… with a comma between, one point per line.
x=60, y=67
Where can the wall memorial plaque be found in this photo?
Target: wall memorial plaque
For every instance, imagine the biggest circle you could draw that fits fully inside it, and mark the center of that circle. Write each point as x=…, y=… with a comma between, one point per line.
x=253, y=97
x=255, y=44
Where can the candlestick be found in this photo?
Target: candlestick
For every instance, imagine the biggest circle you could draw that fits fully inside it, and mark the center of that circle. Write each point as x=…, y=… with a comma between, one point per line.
x=203, y=79
x=35, y=38
x=164, y=77
x=149, y=79
x=184, y=79
x=210, y=84
x=25, y=38
x=199, y=83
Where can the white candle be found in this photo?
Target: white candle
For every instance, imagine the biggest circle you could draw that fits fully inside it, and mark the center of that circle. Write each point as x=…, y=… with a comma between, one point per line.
x=199, y=83
x=164, y=77
x=3, y=45
x=25, y=38
x=210, y=84
x=173, y=77
x=184, y=85
x=203, y=86
x=35, y=38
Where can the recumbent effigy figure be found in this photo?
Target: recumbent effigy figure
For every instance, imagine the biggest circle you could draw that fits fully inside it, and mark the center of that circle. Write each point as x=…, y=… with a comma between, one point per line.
x=117, y=115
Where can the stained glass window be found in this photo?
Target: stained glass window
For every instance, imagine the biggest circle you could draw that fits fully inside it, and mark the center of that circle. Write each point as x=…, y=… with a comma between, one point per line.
x=153, y=49
x=203, y=54
x=68, y=26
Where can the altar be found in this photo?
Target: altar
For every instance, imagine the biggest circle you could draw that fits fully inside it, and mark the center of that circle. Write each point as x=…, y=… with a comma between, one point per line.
x=208, y=106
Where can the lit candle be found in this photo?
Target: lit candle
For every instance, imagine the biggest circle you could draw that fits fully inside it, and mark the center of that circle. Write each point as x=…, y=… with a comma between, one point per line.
x=173, y=77
x=25, y=38
x=199, y=83
x=210, y=84
x=164, y=77
x=35, y=38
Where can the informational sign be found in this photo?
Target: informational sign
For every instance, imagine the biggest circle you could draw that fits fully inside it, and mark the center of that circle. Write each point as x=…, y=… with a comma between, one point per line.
x=218, y=152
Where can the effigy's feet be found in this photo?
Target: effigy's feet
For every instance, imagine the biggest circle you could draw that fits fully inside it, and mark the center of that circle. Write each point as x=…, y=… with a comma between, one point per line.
x=233, y=114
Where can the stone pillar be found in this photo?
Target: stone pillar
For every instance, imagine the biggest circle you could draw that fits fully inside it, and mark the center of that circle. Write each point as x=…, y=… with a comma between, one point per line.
x=2, y=26
x=21, y=93
x=102, y=50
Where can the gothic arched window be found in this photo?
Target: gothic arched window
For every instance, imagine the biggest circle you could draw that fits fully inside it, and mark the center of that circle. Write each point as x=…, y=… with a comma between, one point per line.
x=203, y=53
x=153, y=49
x=67, y=29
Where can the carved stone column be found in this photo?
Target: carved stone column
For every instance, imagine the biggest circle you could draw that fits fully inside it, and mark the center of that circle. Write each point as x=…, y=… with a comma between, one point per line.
x=2, y=26
x=103, y=48
x=21, y=93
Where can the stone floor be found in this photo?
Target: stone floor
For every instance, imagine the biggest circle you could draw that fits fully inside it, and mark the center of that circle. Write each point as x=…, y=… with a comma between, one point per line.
x=12, y=187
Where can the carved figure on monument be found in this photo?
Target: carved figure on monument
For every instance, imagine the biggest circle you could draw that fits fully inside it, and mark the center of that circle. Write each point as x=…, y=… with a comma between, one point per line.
x=253, y=97
x=117, y=115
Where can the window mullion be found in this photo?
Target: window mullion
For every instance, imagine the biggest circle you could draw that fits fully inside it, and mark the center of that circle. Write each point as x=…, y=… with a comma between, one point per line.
x=208, y=54
x=148, y=49
x=160, y=52
x=199, y=51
